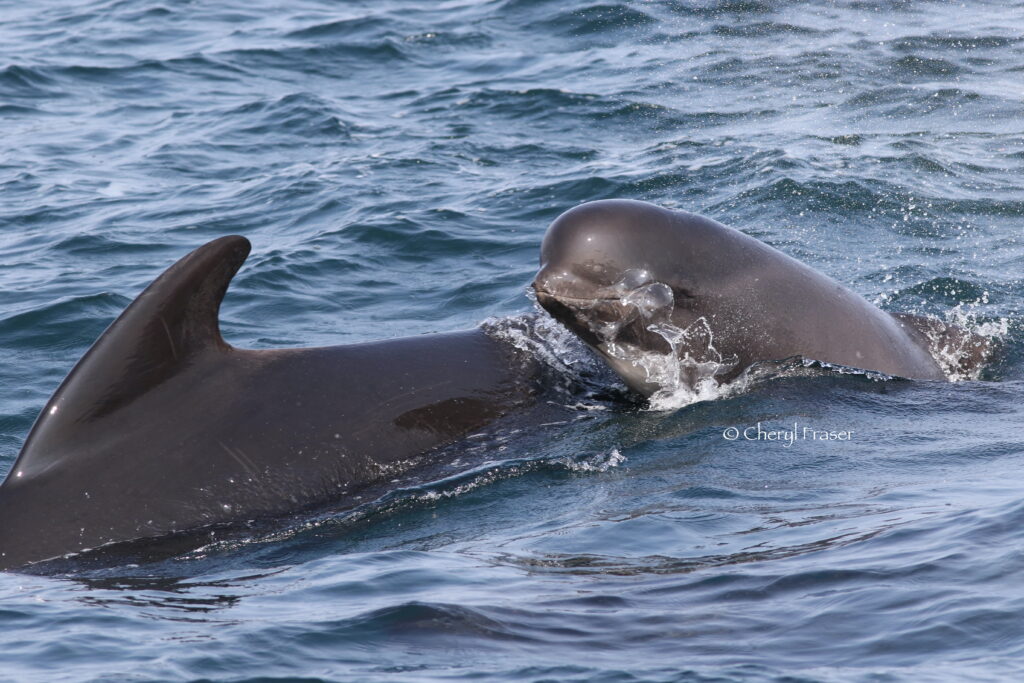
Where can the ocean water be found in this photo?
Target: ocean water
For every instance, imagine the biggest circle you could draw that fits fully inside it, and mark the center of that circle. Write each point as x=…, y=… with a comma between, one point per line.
x=395, y=165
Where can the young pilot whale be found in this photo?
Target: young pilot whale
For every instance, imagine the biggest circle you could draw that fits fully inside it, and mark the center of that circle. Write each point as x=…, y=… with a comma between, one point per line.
x=634, y=280
x=163, y=427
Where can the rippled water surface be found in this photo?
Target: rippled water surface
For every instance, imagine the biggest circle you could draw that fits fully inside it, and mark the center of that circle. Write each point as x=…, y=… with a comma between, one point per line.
x=395, y=165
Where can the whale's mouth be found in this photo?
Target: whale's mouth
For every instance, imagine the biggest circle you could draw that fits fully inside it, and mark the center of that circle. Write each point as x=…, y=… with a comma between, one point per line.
x=568, y=311
x=580, y=300
x=613, y=315
x=616, y=324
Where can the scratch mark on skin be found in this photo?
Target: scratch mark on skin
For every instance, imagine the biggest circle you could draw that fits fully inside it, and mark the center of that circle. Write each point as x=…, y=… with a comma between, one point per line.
x=170, y=339
x=241, y=458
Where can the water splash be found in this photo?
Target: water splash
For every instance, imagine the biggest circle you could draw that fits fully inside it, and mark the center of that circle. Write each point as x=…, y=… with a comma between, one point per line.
x=963, y=344
x=594, y=462
x=690, y=372
x=575, y=371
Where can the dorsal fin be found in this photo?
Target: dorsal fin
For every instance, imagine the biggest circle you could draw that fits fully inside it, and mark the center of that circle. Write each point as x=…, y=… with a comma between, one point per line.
x=170, y=321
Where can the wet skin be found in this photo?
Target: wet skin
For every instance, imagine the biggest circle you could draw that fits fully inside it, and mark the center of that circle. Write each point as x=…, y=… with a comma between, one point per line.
x=163, y=427
x=624, y=274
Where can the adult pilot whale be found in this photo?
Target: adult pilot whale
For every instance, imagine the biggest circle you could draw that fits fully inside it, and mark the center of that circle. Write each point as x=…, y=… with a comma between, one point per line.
x=639, y=283
x=163, y=427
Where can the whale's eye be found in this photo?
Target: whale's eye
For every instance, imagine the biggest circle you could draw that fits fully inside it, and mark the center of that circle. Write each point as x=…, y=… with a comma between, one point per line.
x=592, y=271
x=683, y=293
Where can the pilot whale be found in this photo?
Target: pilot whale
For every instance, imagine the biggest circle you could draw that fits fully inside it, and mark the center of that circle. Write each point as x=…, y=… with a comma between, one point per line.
x=163, y=427
x=632, y=279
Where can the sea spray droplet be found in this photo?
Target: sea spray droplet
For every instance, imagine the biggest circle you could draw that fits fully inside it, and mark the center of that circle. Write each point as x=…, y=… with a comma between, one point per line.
x=599, y=462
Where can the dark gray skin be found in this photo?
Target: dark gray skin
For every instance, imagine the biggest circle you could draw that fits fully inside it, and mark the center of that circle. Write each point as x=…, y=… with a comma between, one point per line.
x=163, y=427
x=757, y=303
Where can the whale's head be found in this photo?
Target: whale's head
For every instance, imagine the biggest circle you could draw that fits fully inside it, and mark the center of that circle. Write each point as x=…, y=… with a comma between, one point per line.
x=634, y=282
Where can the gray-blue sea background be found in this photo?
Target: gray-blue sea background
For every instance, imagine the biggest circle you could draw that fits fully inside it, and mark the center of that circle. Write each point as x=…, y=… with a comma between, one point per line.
x=395, y=164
